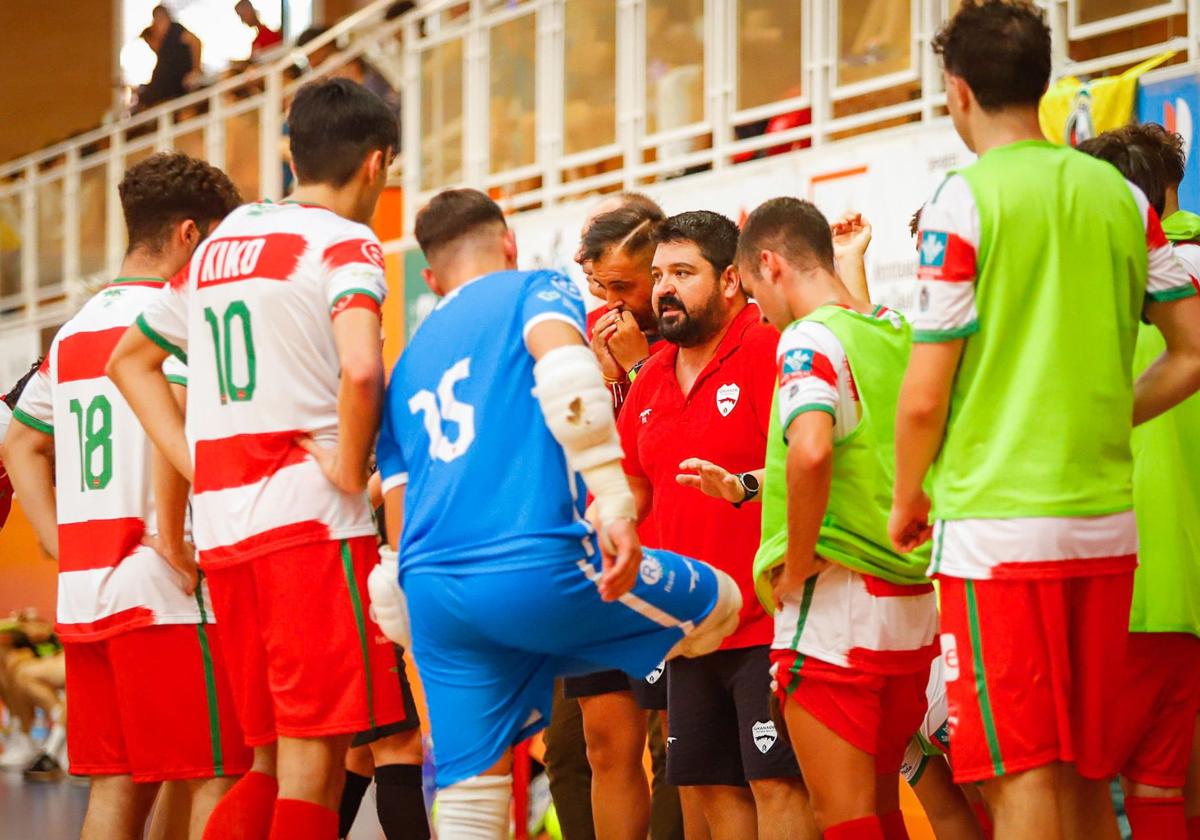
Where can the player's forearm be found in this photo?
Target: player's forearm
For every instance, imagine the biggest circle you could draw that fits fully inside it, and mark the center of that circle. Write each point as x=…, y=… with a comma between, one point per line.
x=148, y=393
x=852, y=268
x=360, y=399
x=809, y=476
x=920, y=427
x=29, y=459
x=1170, y=379
x=170, y=501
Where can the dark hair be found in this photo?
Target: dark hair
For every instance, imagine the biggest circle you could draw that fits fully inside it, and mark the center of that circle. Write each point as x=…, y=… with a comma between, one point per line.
x=1168, y=144
x=629, y=228
x=1001, y=48
x=334, y=124
x=715, y=235
x=1140, y=163
x=914, y=224
x=794, y=228
x=452, y=214
x=14, y=393
x=630, y=198
x=168, y=188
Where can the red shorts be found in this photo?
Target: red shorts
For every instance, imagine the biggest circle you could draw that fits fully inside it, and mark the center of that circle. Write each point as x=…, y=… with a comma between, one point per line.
x=153, y=703
x=304, y=657
x=878, y=713
x=1159, y=700
x=1033, y=671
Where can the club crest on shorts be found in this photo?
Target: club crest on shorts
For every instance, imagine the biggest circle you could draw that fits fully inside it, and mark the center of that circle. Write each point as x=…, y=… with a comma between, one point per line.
x=727, y=397
x=651, y=570
x=765, y=735
x=655, y=675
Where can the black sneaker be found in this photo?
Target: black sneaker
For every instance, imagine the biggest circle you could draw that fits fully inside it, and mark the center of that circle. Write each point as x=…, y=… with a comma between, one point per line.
x=45, y=769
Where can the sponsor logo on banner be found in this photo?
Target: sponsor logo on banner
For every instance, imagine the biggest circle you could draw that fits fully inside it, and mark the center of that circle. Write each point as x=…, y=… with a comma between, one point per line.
x=764, y=734
x=727, y=398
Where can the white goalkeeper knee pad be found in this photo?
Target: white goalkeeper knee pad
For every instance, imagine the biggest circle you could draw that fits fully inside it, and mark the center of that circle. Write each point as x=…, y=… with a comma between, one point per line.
x=578, y=410
x=721, y=620
x=474, y=809
x=389, y=607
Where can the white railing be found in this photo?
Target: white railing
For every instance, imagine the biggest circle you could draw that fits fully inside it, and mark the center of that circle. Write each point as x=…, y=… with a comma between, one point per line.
x=564, y=97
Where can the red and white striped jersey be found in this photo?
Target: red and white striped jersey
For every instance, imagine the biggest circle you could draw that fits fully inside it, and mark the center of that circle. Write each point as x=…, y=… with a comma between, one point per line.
x=253, y=316
x=108, y=582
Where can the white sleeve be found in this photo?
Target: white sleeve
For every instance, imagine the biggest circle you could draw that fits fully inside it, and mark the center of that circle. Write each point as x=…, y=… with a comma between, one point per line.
x=949, y=240
x=1166, y=278
x=808, y=359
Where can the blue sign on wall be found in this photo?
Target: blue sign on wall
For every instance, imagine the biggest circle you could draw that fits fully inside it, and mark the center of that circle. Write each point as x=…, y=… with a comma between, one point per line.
x=1175, y=104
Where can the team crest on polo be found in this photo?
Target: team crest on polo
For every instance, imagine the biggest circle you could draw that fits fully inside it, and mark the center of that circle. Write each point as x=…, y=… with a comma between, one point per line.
x=655, y=675
x=651, y=570
x=727, y=397
x=764, y=734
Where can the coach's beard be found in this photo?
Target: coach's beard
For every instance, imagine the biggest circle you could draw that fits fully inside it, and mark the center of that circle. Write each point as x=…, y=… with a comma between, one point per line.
x=681, y=327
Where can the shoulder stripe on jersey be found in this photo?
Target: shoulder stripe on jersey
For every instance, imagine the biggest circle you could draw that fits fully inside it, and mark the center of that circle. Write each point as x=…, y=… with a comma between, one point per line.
x=130, y=619
x=83, y=355
x=149, y=332
x=97, y=543
x=353, y=252
x=273, y=256
x=356, y=291
x=239, y=460
x=275, y=539
x=32, y=422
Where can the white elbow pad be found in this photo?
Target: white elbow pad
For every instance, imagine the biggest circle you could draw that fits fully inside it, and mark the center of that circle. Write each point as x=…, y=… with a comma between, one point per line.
x=578, y=410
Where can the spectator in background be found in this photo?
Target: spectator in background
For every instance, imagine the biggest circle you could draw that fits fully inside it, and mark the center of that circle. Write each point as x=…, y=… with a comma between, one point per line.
x=264, y=38
x=178, y=67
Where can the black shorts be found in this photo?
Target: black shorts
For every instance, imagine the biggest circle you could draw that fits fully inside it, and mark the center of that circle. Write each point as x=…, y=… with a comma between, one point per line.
x=650, y=691
x=411, y=718
x=722, y=732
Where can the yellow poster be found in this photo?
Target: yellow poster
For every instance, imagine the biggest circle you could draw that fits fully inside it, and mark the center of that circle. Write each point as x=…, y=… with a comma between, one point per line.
x=1073, y=110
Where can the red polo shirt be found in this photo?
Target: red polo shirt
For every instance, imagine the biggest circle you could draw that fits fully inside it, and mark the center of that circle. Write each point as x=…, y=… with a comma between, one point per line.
x=724, y=420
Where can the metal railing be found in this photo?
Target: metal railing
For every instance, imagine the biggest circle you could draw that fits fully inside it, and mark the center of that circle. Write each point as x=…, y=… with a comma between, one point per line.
x=541, y=102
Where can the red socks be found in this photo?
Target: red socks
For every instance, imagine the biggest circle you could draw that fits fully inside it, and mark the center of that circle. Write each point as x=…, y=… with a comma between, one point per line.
x=863, y=828
x=893, y=826
x=984, y=818
x=244, y=813
x=296, y=819
x=1158, y=818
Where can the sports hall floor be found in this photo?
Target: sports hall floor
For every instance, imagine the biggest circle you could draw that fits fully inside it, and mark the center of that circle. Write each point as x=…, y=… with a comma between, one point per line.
x=54, y=810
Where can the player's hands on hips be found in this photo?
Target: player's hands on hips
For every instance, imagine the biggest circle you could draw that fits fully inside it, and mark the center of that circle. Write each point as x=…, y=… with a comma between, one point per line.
x=329, y=459
x=609, y=366
x=711, y=480
x=625, y=339
x=908, y=525
x=851, y=235
x=620, y=557
x=182, y=560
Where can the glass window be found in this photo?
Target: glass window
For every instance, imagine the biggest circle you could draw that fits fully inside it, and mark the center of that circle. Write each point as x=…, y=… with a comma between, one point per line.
x=50, y=233
x=442, y=114
x=513, y=94
x=1090, y=11
x=770, y=56
x=674, y=63
x=590, y=106
x=241, y=154
x=874, y=39
x=10, y=245
x=93, y=215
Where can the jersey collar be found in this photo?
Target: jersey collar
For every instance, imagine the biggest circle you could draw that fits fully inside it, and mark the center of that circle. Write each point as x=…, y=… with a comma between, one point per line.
x=152, y=282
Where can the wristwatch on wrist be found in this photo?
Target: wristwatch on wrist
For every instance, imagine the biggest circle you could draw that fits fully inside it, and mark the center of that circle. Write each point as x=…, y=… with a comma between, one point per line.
x=750, y=485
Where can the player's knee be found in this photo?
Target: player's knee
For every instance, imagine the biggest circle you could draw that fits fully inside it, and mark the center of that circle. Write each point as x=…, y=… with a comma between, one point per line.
x=401, y=748
x=475, y=808
x=611, y=746
x=781, y=796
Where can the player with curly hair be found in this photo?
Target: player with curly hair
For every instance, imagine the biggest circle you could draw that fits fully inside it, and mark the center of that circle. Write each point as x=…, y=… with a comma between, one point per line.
x=150, y=701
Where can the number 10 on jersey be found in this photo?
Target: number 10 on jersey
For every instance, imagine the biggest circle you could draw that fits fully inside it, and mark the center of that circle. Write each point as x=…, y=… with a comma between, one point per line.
x=223, y=334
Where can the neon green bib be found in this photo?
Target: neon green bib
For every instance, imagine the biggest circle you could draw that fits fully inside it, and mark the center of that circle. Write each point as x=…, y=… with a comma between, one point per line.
x=854, y=530
x=1040, y=413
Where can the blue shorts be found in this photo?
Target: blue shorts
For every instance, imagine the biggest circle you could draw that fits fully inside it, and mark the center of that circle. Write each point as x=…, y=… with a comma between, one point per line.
x=489, y=646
